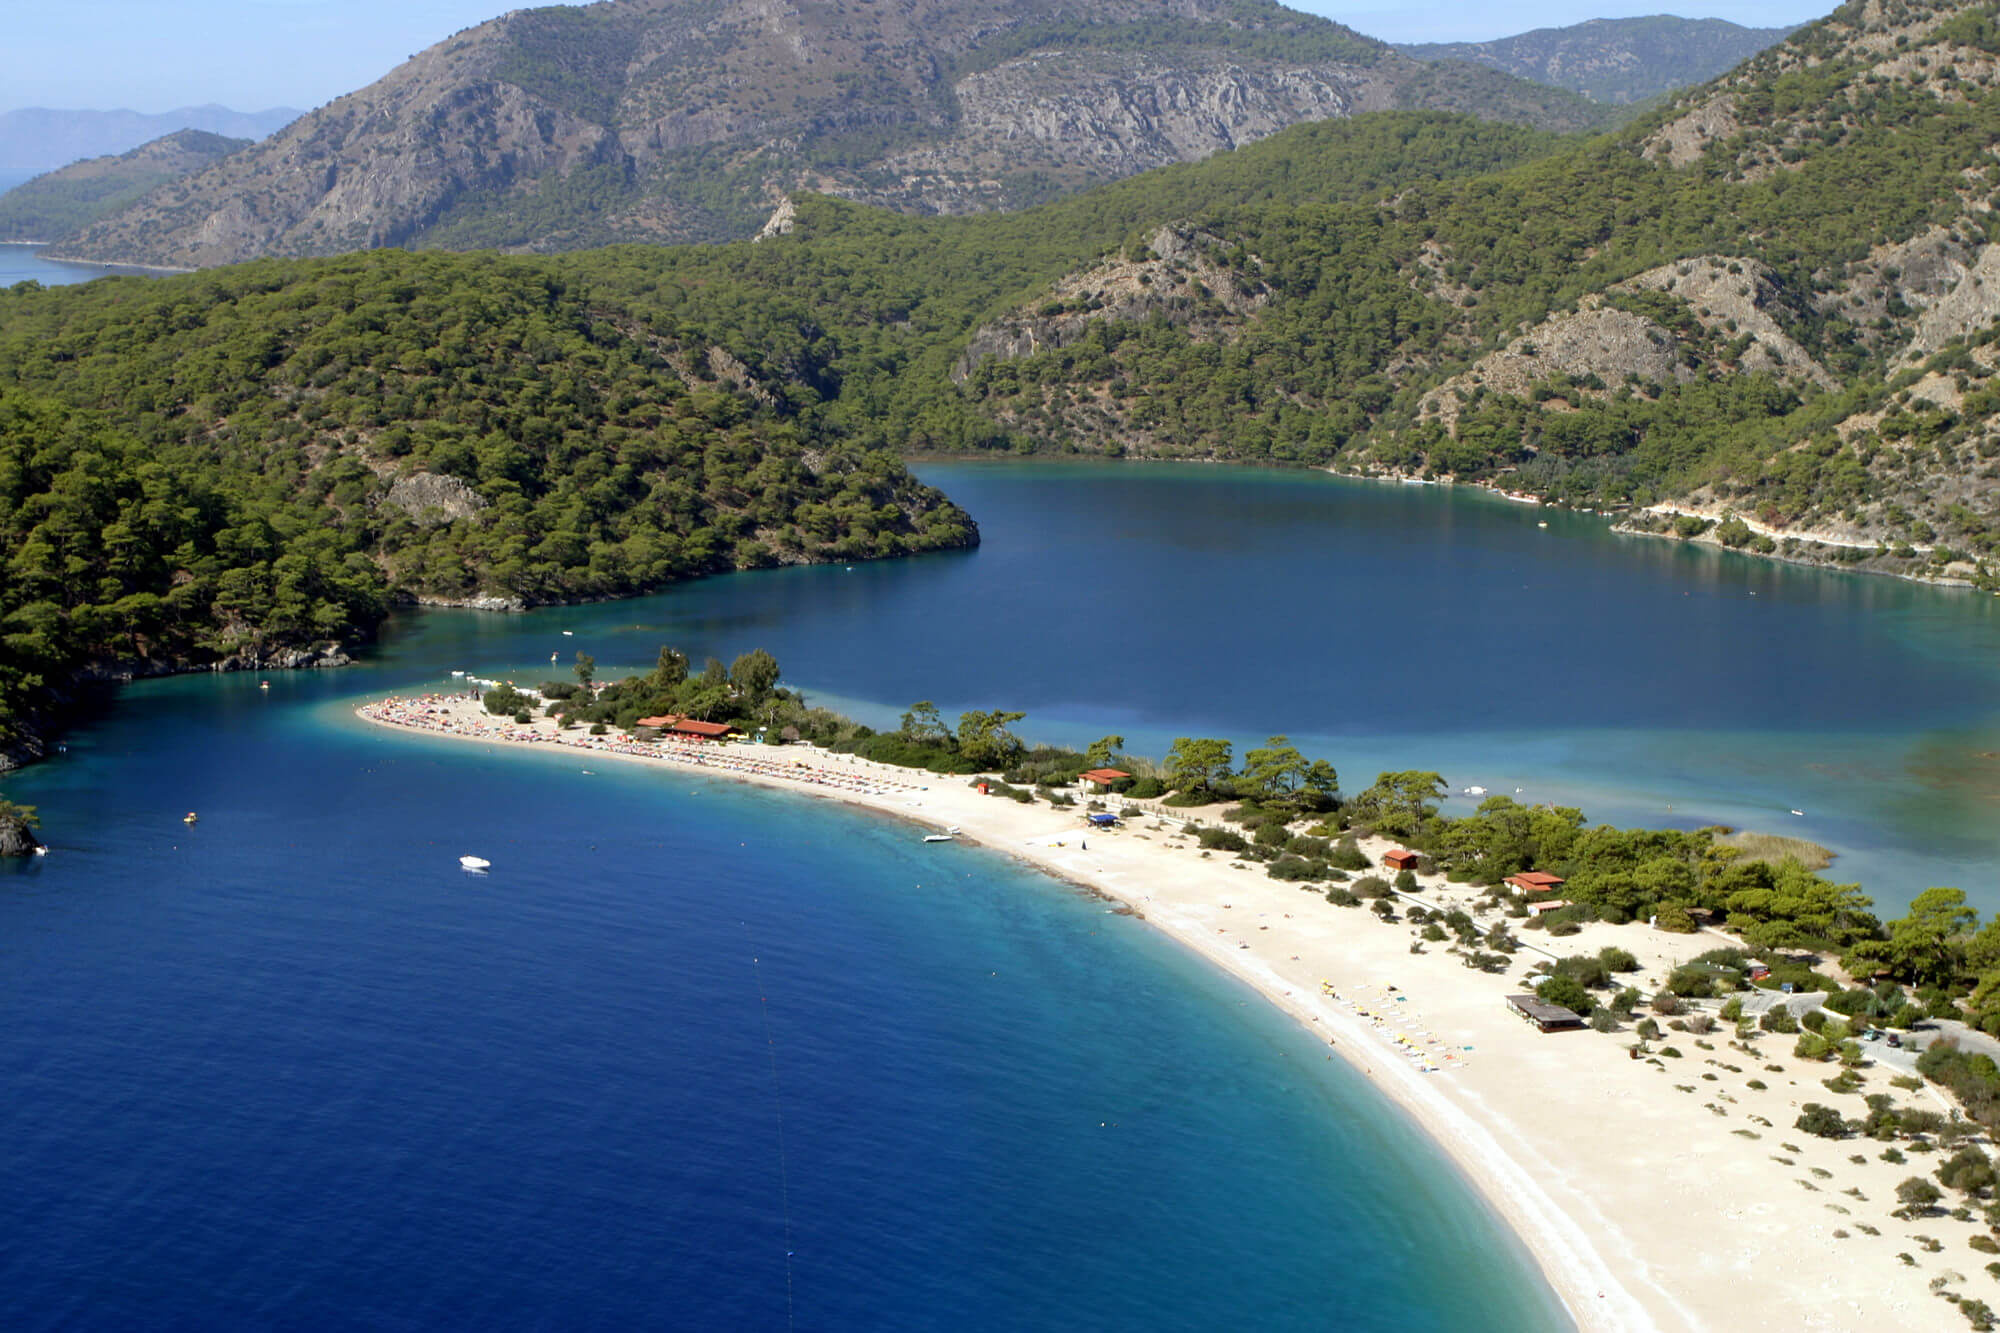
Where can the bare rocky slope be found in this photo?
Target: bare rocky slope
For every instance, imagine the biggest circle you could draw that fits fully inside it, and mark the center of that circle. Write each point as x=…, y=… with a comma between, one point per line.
x=675, y=120
x=1618, y=62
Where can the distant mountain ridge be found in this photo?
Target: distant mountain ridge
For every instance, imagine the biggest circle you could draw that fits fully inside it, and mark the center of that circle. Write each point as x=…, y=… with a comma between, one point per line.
x=1617, y=62
x=677, y=120
x=40, y=139
x=59, y=202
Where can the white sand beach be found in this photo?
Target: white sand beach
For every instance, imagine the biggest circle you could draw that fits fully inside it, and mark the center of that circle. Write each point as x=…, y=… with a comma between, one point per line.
x=1663, y=1193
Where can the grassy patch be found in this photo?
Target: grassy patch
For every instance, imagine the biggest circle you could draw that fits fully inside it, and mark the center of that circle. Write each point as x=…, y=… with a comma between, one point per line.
x=1773, y=848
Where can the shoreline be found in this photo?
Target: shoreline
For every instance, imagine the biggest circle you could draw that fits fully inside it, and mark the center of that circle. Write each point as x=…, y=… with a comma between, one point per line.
x=1602, y=1165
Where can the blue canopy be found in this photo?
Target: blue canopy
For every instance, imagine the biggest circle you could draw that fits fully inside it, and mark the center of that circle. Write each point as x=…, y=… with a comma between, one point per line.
x=1103, y=820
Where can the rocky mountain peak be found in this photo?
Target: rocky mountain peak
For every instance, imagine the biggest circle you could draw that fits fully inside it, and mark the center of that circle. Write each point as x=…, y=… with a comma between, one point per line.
x=674, y=120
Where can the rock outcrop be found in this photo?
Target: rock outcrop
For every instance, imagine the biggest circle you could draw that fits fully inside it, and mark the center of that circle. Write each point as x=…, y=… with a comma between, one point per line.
x=1176, y=279
x=675, y=120
x=17, y=837
x=431, y=499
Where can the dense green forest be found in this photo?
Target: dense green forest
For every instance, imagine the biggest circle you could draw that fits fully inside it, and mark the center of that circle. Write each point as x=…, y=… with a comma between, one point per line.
x=277, y=451
x=227, y=464
x=75, y=196
x=1387, y=256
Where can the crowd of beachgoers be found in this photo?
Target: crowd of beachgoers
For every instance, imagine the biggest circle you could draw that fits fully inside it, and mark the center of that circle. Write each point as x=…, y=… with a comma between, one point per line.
x=456, y=715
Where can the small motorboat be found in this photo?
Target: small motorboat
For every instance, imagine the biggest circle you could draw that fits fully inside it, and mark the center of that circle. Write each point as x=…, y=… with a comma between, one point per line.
x=474, y=862
x=949, y=835
x=190, y=818
x=569, y=634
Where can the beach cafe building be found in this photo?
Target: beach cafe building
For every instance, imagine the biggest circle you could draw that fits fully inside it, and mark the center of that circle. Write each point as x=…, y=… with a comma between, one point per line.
x=1102, y=778
x=1545, y=1016
x=1399, y=859
x=675, y=725
x=1535, y=881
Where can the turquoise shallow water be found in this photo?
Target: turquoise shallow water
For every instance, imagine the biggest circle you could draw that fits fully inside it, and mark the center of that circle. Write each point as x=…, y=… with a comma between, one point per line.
x=292, y=1067
x=1389, y=627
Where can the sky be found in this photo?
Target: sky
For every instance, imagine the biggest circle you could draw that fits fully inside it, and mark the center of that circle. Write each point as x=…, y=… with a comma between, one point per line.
x=156, y=55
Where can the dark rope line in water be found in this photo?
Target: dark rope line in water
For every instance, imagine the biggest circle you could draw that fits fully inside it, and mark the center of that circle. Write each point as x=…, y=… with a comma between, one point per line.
x=778, y=1108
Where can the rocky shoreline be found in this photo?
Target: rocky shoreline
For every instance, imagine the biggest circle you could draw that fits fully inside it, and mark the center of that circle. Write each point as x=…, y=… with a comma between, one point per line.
x=33, y=742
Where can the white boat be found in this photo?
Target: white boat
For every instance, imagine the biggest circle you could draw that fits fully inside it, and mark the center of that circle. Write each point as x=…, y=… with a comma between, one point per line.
x=941, y=837
x=474, y=862
x=569, y=634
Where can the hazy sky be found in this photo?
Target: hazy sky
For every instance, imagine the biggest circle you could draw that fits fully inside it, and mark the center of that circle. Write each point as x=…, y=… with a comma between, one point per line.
x=154, y=55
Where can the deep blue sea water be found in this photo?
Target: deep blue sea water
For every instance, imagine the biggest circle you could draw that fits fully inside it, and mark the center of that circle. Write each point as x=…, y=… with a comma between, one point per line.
x=290, y=1066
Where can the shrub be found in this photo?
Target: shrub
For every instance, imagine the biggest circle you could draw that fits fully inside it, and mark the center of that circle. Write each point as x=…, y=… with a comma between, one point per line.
x=1968, y=1171
x=1341, y=897
x=1603, y=1020
x=1348, y=856
x=1372, y=886
x=1221, y=839
x=1625, y=1001
x=1568, y=992
x=1616, y=959
x=1295, y=869
x=1917, y=1196
x=1666, y=1002
x=1823, y=1121
x=1675, y=920
x=1779, y=1020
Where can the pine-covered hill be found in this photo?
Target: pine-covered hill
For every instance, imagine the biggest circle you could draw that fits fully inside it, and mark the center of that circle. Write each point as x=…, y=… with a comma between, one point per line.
x=1772, y=302
x=240, y=466
x=66, y=200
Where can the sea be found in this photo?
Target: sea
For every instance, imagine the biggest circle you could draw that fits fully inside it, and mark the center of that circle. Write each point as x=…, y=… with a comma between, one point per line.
x=24, y=263
x=699, y=1055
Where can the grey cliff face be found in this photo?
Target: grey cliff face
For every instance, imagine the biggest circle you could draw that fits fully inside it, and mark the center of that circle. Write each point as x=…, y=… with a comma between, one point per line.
x=677, y=120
